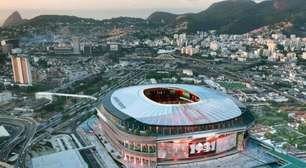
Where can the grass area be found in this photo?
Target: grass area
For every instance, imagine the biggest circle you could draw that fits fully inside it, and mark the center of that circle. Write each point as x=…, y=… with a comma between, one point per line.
x=160, y=75
x=233, y=85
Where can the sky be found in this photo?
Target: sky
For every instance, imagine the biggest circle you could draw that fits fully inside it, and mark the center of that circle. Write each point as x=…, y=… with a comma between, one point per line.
x=103, y=4
x=100, y=9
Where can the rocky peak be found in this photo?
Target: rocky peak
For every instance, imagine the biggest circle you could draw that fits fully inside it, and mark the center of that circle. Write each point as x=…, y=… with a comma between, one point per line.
x=13, y=19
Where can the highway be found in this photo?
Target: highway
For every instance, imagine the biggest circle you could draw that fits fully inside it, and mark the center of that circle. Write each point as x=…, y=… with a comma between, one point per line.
x=27, y=143
x=236, y=76
x=7, y=145
x=17, y=138
x=82, y=109
x=20, y=140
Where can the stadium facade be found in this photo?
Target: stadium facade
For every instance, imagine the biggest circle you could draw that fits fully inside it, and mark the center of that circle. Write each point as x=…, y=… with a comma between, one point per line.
x=164, y=124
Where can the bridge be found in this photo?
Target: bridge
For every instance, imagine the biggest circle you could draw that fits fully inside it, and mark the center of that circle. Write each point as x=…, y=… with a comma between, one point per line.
x=48, y=95
x=86, y=147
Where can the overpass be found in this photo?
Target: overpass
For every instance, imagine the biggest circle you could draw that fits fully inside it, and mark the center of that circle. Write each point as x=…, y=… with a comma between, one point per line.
x=287, y=160
x=86, y=147
x=49, y=95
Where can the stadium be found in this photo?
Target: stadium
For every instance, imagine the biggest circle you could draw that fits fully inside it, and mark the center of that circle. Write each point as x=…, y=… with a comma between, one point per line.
x=165, y=124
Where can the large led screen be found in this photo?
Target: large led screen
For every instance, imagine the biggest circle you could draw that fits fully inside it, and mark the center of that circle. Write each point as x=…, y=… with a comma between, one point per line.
x=195, y=148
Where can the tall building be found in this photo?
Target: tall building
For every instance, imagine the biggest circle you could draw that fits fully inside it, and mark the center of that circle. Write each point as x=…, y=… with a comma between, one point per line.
x=189, y=50
x=21, y=70
x=76, y=45
x=114, y=47
x=304, y=55
x=271, y=46
x=214, y=46
x=87, y=49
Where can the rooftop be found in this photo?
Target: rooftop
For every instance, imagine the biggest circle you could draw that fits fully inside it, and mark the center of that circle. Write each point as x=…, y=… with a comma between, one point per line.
x=171, y=104
x=67, y=159
x=3, y=132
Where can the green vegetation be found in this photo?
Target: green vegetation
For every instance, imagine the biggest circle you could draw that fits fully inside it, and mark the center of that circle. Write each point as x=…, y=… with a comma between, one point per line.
x=90, y=86
x=302, y=129
x=57, y=105
x=37, y=87
x=43, y=63
x=288, y=135
x=2, y=59
x=270, y=115
x=160, y=75
x=233, y=85
x=162, y=17
x=247, y=16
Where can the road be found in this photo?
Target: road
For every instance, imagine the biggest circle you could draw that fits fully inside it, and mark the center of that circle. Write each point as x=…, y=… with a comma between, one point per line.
x=17, y=138
x=236, y=76
x=20, y=140
x=27, y=143
x=85, y=107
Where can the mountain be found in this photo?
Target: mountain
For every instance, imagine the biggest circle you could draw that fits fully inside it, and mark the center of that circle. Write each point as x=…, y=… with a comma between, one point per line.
x=220, y=14
x=162, y=17
x=238, y=16
x=13, y=19
x=44, y=24
x=52, y=21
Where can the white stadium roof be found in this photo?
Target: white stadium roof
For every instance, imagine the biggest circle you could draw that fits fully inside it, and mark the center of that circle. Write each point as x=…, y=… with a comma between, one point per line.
x=212, y=107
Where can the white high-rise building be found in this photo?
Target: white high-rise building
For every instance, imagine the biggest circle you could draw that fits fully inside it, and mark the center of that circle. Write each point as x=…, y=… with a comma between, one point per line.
x=304, y=55
x=76, y=45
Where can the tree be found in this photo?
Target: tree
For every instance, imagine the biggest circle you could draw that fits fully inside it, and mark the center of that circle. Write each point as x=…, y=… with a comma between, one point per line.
x=268, y=135
x=302, y=129
x=2, y=59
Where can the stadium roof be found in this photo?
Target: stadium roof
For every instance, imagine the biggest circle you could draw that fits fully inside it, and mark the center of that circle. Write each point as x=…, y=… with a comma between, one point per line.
x=64, y=159
x=131, y=102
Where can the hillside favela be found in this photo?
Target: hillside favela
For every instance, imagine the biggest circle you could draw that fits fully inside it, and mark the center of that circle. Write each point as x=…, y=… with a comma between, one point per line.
x=153, y=84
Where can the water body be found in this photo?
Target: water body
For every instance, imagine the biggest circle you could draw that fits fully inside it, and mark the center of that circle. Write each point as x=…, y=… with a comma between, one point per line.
x=96, y=14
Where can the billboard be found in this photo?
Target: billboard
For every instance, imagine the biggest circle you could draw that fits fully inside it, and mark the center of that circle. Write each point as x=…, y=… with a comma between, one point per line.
x=172, y=150
x=226, y=142
x=200, y=147
x=196, y=148
x=185, y=149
